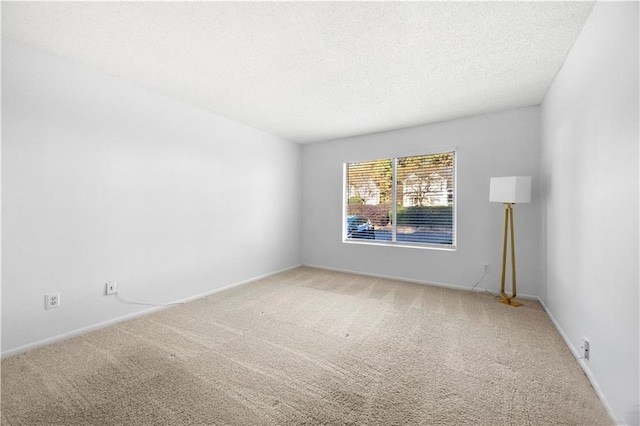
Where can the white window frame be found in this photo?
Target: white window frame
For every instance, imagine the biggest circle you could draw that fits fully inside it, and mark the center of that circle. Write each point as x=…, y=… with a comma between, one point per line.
x=394, y=205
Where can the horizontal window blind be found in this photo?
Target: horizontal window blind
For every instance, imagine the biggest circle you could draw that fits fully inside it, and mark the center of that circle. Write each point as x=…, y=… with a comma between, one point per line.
x=424, y=202
x=369, y=198
x=402, y=200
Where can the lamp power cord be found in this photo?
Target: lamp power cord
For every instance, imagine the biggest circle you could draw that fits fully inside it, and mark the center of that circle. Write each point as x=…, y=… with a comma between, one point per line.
x=123, y=299
x=483, y=288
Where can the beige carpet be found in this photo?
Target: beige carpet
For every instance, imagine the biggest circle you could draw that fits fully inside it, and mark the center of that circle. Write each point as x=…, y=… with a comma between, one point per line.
x=310, y=347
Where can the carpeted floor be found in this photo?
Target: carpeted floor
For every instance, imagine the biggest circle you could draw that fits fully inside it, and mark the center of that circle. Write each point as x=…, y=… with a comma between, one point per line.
x=310, y=347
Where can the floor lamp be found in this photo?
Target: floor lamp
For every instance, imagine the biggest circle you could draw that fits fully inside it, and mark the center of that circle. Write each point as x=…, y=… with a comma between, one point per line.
x=509, y=191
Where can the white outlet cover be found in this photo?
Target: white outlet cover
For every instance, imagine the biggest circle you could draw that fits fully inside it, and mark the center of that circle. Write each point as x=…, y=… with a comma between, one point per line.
x=111, y=287
x=52, y=300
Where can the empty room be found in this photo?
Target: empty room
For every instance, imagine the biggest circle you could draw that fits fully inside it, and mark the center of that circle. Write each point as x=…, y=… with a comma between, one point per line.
x=320, y=213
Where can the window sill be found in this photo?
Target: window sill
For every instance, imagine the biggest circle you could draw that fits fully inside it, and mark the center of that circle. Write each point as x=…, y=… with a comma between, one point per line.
x=423, y=246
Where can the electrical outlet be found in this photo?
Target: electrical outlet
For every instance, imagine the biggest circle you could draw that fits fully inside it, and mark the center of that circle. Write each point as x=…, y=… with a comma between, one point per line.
x=487, y=268
x=52, y=300
x=585, y=348
x=111, y=287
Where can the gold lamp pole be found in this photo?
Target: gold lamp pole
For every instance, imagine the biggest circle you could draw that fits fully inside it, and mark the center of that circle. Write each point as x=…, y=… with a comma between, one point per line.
x=508, y=229
x=509, y=190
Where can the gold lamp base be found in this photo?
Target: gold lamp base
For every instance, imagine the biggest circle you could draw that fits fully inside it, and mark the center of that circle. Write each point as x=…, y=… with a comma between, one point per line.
x=508, y=301
x=508, y=226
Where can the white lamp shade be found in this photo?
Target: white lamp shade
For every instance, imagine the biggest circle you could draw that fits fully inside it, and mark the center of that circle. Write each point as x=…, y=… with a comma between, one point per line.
x=511, y=189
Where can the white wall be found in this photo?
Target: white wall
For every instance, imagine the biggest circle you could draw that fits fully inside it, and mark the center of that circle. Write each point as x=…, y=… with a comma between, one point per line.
x=105, y=181
x=499, y=144
x=590, y=166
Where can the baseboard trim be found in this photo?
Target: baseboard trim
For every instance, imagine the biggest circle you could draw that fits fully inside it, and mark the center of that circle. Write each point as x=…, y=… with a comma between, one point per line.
x=146, y=311
x=413, y=280
x=583, y=365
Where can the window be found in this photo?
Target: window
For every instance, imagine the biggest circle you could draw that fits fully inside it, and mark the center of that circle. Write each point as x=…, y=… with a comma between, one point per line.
x=404, y=200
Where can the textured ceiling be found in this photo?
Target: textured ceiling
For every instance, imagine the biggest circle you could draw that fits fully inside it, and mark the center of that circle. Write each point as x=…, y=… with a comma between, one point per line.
x=309, y=71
